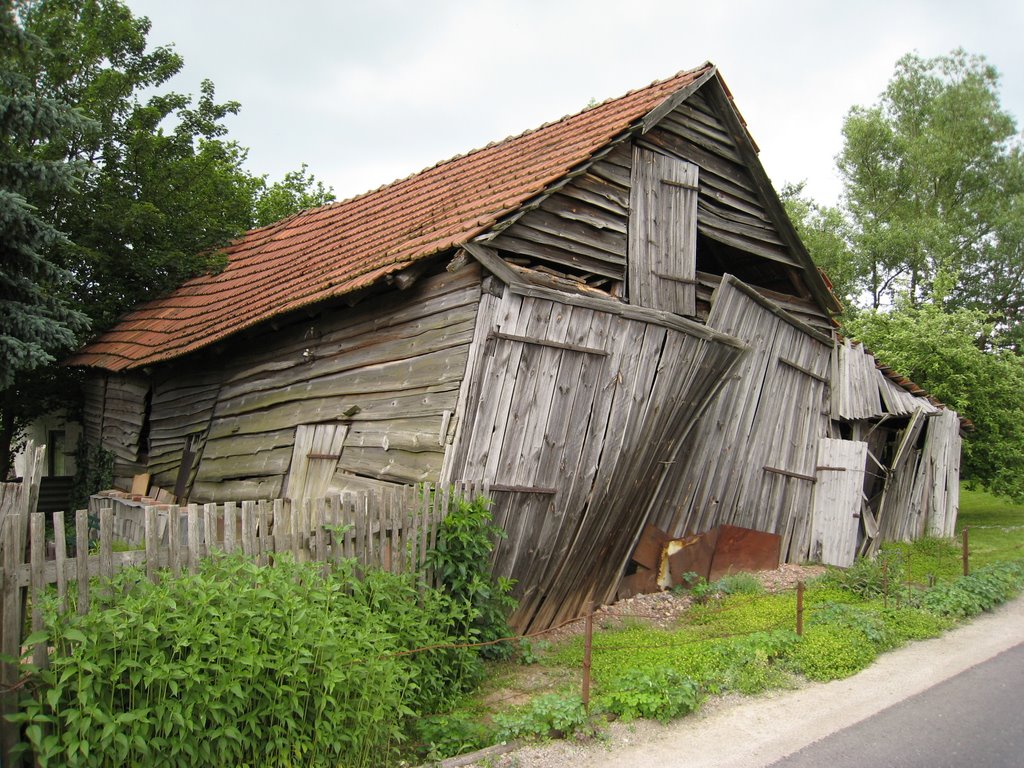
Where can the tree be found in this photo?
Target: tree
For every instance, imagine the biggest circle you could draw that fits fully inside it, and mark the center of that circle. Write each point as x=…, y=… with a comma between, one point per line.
x=825, y=232
x=162, y=188
x=934, y=184
x=37, y=319
x=296, y=192
x=938, y=349
x=932, y=216
x=156, y=202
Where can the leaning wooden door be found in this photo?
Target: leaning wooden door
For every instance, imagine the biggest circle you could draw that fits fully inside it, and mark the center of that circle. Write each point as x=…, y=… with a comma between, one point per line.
x=838, y=499
x=663, y=233
x=314, y=459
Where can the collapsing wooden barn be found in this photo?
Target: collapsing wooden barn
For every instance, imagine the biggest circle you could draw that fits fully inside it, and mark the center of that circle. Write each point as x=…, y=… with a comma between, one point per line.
x=609, y=319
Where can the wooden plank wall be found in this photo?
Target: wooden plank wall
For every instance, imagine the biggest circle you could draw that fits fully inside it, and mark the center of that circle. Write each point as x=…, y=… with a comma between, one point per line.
x=581, y=231
x=729, y=207
x=389, y=370
x=570, y=414
x=751, y=460
x=663, y=233
x=114, y=417
x=861, y=391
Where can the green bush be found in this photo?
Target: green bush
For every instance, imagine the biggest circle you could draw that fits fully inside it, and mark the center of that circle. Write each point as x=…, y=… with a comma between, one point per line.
x=739, y=584
x=983, y=590
x=661, y=693
x=461, y=559
x=552, y=715
x=243, y=665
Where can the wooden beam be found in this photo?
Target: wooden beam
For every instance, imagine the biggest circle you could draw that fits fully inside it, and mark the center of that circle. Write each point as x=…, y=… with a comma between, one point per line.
x=653, y=117
x=547, y=343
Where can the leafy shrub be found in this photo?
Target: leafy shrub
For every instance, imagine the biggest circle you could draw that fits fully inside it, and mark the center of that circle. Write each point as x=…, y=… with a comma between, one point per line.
x=739, y=584
x=872, y=577
x=907, y=623
x=661, y=693
x=552, y=715
x=857, y=618
x=927, y=559
x=244, y=665
x=753, y=668
x=741, y=614
x=461, y=559
x=830, y=652
x=983, y=590
x=451, y=734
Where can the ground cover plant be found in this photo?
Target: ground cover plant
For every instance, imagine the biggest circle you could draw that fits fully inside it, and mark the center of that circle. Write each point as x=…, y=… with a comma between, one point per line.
x=736, y=638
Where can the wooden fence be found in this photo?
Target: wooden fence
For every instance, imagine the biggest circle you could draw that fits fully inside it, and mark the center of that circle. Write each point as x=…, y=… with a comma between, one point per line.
x=392, y=529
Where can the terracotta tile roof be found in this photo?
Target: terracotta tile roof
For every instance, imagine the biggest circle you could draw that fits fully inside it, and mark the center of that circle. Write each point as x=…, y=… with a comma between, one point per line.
x=331, y=251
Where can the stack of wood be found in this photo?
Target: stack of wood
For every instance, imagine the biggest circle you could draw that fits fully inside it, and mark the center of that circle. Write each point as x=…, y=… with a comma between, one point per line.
x=662, y=561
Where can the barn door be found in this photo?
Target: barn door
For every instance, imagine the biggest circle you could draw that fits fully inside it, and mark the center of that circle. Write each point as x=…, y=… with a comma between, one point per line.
x=838, y=497
x=314, y=459
x=663, y=233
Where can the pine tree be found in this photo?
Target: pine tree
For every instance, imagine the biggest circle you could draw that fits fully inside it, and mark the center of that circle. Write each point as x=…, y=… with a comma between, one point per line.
x=37, y=321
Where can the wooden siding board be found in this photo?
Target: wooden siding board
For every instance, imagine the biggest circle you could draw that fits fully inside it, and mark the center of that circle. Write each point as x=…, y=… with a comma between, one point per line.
x=837, y=500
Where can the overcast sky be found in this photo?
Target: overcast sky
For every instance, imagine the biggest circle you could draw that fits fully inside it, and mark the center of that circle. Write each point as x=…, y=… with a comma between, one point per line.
x=369, y=92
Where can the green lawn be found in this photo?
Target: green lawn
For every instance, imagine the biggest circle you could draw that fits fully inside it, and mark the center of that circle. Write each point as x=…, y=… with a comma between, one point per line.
x=996, y=527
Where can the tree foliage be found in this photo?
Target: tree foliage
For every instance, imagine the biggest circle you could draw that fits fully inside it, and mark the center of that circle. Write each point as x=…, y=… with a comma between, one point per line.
x=825, y=232
x=161, y=187
x=297, y=191
x=934, y=184
x=38, y=320
x=937, y=348
x=929, y=235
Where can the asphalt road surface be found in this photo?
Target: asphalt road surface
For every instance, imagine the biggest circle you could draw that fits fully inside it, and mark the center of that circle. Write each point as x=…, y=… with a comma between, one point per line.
x=941, y=692
x=973, y=719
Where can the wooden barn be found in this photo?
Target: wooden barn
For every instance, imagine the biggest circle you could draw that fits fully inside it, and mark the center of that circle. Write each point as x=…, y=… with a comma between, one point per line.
x=608, y=319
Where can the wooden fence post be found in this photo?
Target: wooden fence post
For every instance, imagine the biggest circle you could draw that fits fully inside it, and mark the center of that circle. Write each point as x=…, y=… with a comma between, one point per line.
x=588, y=639
x=799, y=608
x=966, y=555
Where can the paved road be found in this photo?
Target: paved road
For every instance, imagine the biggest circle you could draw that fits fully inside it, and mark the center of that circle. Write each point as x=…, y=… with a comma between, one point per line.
x=973, y=719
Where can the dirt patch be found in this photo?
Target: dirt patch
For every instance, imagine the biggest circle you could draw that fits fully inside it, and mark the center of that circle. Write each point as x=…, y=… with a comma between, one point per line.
x=663, y=609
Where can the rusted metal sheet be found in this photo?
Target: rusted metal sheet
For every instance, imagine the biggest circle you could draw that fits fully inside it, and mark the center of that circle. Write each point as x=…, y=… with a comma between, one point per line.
x=694, y=555
x=742, y=550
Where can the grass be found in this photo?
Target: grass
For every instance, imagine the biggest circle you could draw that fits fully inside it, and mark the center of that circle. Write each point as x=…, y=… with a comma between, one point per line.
x=996, y=527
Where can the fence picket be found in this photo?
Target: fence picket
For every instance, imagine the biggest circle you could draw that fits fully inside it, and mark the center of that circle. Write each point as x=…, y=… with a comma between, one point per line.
x=61, y=557
x=248, y=523
x=194, y=552
x=37, y=549
x=152, y=545
x=174, y=539
x=82, y=559
x=230, y=523
x=106, y=548
x=210, y=529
